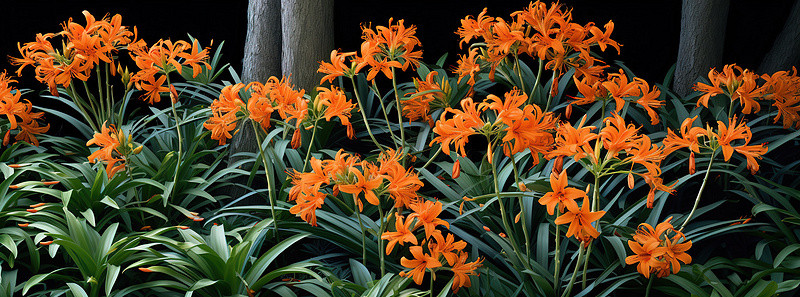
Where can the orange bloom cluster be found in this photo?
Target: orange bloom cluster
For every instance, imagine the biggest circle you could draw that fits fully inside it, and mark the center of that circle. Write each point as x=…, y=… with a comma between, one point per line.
x=782, y=88
x=439, y=247
x=19, y=114
x=431, y=93
x=617, y=86
x=468, y=65
x=162, y=58
x=83, y=48
x=114, y=148
x=579, y=219
x=384, y=48
x=276, y=95
x=360, y=178
x=546, y=33
x=723, y=138
x=657, y=252
x=616, y=137
x=521, y=127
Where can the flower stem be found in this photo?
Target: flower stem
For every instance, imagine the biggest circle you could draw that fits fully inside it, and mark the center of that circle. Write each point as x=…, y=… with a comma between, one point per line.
x=363, y=238
x=649, y=285
x=364, y=116
x=180, y=140
x=574, y=272
x=550, y=92
x=380, y=240
x=536, y=83
x=700, y=192
x=310, y=145
x=504, y=217
x=268, y=173
x=557, y=268
x=385, y=113
x=432, y=158
x=399, y=113
x=524, y=218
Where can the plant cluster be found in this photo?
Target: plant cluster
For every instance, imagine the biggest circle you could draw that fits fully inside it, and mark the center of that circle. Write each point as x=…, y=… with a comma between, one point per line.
x=426, y=186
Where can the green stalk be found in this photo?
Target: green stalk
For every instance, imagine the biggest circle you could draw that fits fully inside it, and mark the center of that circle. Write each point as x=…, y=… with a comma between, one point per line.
x=595, y=207
x=79, y=104
x=385, y=113
x=504, y=216
x=550, y=93
x=522, y=211
x=700, y=192
x=180, y=139
x=380, y=241
x=364, y=116
x=518, y=68
x=574, y=272
x=90, y=97
x=268, y=173
x=310, y=145
x=536, y=83
x=432, y=277
x=649, y=285
x=363, y=236
x=557, y=268
x=431, y=159
x=100, y=96
x=399, y=114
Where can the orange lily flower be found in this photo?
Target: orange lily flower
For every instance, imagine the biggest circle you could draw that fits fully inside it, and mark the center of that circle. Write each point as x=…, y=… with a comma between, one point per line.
x=401, y=235
x=365, y=183
x=462, y=270
x=580, y=221
x=447, y=247
x=561, y=195
x=418, y=264
x=427, y=214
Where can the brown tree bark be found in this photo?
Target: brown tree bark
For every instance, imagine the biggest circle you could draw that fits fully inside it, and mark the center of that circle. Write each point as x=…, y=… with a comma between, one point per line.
x=307, y=39
x=262, y=59
x=701, y=41
x=785, y=52
x=262, y=47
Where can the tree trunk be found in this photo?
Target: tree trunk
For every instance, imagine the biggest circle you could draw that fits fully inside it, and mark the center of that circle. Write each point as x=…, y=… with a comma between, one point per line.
x=307, y=39
x=785, y=52
x=701, y=42
x=262, y=59
x=262, y=46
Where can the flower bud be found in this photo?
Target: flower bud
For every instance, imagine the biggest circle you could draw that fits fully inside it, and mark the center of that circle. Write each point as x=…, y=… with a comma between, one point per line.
x=456, y=169
x=137, y=150
x=296, y=139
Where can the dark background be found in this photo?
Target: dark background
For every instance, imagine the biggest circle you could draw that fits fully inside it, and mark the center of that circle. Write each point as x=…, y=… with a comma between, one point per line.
x=648, y=30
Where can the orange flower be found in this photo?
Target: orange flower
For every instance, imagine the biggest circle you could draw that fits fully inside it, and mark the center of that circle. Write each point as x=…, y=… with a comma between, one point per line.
x=19, y=113
x=646, y=255
x=307, y=204
x=427, y=214
x=403, y=184
x=580, y=221
x=401, y=235
x=162, y=57
x=573, y=141
x=388, y=47
x=656, y=252
x=337, y=67
x=468, y=65
x=616, y=136
x=429, y=92
x=447, y=247
x=457, y=129
x=561, y=195
x=109, y=141
x=735, y=131
x=418, y=264
x=739, y=84
x=462, y=270
x=221, y=126
x=365, y=183
x=783, y=87
x=337, y=105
